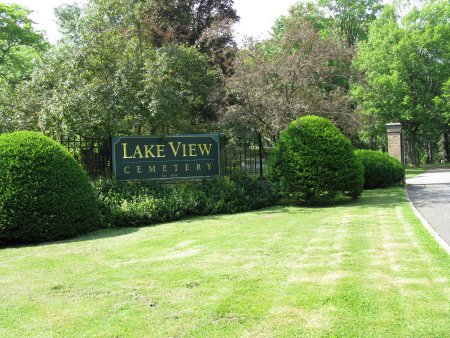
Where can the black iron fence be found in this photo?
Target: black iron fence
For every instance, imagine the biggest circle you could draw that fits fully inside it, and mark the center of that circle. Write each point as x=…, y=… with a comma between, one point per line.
x=247, y=156
x=93, y=153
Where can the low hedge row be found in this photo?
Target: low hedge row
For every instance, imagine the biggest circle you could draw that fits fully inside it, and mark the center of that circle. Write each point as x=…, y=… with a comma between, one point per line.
x=124, y=204
x=45, y=194
x=380, y=169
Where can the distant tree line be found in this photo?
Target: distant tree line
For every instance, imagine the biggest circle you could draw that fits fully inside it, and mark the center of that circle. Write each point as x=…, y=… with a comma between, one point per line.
x=163, y=66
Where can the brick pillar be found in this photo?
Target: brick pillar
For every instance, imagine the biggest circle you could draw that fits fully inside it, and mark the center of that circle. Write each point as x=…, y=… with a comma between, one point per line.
x=395, y=141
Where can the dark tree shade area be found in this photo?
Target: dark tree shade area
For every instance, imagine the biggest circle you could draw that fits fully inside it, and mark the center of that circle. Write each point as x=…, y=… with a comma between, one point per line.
x=206, y=23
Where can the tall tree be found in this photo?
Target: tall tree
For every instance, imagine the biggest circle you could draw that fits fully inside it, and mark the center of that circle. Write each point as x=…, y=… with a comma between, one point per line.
x=19, y=42
x=178, y=82
x=405, y=67
x=205, y=23
x=353, y=17
x=20, y=48
x=310, y=12
x=106, y=77
x=184, y=21
x=298, y=73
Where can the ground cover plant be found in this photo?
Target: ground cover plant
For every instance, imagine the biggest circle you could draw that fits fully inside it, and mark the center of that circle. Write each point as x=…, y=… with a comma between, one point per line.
x=44, y=192
x=313, y=162
x=380, y=169
x=366, y=268
x=141, y=203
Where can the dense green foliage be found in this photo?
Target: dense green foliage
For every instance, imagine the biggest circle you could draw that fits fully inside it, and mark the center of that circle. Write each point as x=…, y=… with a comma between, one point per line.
x=19, y=43
x=105, y=77
x=298, y=71
x=314, y=162
x=21, y=47
x=162, y=66
x=352, y=17
x=148, y=202
x=405, y=66
x=44, y=193
x=380, y=169
x=203, y=23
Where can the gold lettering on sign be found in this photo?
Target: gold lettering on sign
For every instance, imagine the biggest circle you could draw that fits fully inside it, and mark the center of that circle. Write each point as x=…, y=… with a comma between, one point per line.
x=192, y=150
x=137, y=152
x=124, y=145
x=204, y=149
x=148, y=151
x=160, y=150
x=174, y=151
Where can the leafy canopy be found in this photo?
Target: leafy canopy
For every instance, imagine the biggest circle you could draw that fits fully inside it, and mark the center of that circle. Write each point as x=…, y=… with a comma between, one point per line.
x=105, y=76
x=21, y=47
x=405, y=68
x=19, y=43
x=299, y=71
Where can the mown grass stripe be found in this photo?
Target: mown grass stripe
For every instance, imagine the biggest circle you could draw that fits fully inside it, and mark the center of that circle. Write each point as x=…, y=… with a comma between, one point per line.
x=366, y=268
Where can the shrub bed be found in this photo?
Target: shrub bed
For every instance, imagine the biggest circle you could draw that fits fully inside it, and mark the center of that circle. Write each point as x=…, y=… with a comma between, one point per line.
x=149, y=202
x=313, y=162
x=44, y=192
x=380, y=169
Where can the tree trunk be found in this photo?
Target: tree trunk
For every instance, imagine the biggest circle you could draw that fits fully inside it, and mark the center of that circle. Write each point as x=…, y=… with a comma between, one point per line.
x=429, y=152
x=372, y=143
x=445, y=146
x=412, y=148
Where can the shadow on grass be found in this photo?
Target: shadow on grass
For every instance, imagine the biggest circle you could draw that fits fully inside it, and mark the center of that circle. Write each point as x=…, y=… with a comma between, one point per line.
x=97, y=234
x=384, y=198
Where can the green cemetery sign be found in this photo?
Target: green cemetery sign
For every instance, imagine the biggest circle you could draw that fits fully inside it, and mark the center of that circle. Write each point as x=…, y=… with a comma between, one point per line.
x=169, y=157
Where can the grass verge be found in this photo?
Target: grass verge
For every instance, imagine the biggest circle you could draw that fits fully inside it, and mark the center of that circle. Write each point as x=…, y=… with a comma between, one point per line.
x=366, y=268
x=411, y=172
x=414, y=171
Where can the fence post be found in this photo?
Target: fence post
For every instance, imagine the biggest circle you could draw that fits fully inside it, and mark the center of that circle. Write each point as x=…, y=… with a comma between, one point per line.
x=260, y=155
x=110, y=150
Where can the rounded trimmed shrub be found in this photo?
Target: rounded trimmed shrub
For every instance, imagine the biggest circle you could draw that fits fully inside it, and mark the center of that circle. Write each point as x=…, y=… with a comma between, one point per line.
x=314, y=162
x=380, y=169
x=44, y=192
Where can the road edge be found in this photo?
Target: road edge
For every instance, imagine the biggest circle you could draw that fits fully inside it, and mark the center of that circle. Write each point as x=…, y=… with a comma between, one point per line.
x=427, y=225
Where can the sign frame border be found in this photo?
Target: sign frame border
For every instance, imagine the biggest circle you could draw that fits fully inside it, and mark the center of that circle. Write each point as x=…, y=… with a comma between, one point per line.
x=116, y=139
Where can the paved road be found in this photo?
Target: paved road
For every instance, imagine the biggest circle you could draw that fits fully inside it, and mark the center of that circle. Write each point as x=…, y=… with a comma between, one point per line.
x=430, y=194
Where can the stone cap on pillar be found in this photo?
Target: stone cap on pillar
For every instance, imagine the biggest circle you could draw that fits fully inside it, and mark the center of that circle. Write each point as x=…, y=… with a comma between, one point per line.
x=394, y=127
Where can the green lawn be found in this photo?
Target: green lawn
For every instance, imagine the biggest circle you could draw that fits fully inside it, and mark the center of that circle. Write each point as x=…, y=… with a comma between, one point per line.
x=411, y=172
x=364, y=269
